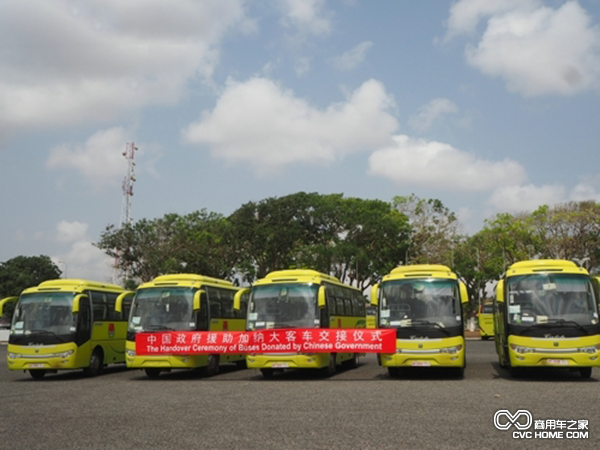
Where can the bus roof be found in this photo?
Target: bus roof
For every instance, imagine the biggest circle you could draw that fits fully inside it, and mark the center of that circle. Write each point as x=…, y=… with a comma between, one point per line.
x=186, y=279
x=299, y=276
x=72, y=285
x=421, y=271
x=544, y=265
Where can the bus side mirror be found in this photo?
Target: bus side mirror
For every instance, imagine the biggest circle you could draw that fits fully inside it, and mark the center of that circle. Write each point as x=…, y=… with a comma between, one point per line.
x=119, y=302
x=7, y=301
x=237, y=299
x=321, y=298
x=78, y=297
x=375, y=294
x=500, y=291
x=196, y=301
x=464, y=295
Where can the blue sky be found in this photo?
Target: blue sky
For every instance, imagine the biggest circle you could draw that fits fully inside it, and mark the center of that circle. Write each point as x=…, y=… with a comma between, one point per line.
x=488, y=106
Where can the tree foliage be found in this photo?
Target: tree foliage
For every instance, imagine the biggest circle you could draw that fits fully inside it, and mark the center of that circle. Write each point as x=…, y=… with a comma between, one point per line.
x=22, y=272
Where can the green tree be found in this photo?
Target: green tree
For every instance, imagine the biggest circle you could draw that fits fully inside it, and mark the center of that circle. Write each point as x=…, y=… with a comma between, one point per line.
x=23, y=272
x=434, y=230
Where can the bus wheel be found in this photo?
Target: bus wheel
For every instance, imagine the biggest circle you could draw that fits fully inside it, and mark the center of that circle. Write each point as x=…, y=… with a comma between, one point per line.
x=267, y=373
x=152, y=372
x=585, y=372
x=37, y=374
x=331, y=367
x=212, y=368
x=96, y=364
x=394, y=372
x=352, y=363
x=241, y=364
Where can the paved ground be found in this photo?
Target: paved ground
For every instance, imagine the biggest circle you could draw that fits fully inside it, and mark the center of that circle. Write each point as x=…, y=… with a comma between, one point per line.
x=361, y=408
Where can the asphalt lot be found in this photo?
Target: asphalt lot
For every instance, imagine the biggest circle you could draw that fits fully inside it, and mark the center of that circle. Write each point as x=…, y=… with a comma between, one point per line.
x=359, y=408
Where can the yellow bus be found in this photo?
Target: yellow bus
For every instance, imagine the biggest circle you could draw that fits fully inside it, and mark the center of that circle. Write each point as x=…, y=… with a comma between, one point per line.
x=303, y=298
x=68, y=324
x=547, y=316
x=424, y=304
x=485, y=318
x=371, y=316
x=183, y=302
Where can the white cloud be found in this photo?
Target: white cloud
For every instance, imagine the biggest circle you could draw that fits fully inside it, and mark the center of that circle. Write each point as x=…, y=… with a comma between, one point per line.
x=536, y=50
x=516, y=198
x=465, y=15
x=65, y=63
x=99, y=159
x=81, y=259
x=438, y=165
x=431, y=112
x=353, y=57
x=71, y=231
x=305, y=15
x=259, y=123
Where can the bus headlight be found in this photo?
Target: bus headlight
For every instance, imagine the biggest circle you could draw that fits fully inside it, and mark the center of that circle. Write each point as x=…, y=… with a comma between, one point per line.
x=64, y=354
x=13, y=356
x=451, y=350
x=520, y=349
x=590, y=350
x=130, y=352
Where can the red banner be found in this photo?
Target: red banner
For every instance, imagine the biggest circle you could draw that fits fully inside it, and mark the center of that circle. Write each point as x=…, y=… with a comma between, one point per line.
x=267, y=341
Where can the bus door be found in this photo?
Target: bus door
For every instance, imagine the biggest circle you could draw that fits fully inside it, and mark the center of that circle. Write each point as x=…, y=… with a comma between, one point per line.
x=84, y=332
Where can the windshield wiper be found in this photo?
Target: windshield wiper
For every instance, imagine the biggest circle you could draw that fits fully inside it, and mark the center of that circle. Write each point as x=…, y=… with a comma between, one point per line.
x=555, y=322
x=159, y=328
x=427, y=322
x=47, y=332
x=567, y=323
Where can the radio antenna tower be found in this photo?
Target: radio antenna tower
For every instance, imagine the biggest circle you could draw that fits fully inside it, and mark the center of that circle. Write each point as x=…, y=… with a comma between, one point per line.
x=128, y=181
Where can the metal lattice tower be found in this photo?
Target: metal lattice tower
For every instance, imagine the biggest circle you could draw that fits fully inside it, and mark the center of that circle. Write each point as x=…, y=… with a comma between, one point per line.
x=128, y=181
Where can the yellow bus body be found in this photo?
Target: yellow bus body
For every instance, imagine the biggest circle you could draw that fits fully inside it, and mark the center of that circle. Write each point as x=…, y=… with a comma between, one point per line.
x=269, y=362
x=486, y=321
x=420, y=350
x=106, y=338
x=154, y=364
x=550, y=349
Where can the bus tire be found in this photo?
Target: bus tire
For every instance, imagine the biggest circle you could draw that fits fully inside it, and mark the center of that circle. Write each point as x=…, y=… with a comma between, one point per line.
x=331, y=367
x=459, y=372
x=37, y=374
x=352, y=363
x=267, y=373
x=152, y=372
x=241, y=363
x=96, y=363
x=212, y=367
x=394, y=372
x=585, y=372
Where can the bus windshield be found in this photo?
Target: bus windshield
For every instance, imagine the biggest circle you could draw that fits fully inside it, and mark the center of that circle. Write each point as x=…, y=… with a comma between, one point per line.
x=410, y=303
x=165, y=308
x=283, y=306
x=551, y=298
x=45, y=314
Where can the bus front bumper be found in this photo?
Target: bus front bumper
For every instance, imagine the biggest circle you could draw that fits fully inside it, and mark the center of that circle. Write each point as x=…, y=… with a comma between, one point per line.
x=50, y=357
x=287, y=361
x=449, y=352
x=548, y=352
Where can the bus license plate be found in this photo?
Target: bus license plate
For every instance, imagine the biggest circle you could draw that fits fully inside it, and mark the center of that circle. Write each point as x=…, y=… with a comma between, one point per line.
x=280, y=365
x=36, y=366
x=420, y=364
x=558, y=362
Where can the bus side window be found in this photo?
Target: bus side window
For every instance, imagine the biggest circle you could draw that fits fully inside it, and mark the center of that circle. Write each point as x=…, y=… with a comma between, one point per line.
x=84, y=322
x=99, y=308
x=126, y=307
x=227, y=304
x=202, y=318
x=348, y=307
x=111, y=299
